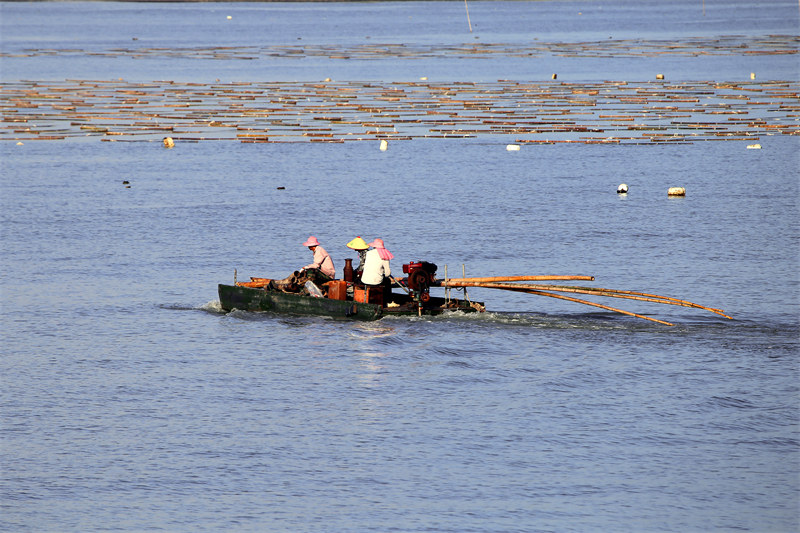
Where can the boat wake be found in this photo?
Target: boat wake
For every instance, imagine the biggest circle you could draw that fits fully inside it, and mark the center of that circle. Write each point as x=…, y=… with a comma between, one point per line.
x=211, y=307
x=608, y=321
x=583, y=321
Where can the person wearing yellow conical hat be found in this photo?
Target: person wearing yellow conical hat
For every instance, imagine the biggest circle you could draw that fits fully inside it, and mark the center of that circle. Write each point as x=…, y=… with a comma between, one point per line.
x=360, y=245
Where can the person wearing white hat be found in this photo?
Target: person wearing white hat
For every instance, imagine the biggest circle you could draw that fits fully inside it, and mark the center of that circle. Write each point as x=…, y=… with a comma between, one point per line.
x=376, y=264
x=323, y=264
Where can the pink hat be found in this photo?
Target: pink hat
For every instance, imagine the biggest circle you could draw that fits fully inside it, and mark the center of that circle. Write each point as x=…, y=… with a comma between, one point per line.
x=384, y=254
x=312, y=241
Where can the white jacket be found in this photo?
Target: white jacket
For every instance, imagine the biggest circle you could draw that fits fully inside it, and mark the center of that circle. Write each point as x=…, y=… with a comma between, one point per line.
x=375, y=269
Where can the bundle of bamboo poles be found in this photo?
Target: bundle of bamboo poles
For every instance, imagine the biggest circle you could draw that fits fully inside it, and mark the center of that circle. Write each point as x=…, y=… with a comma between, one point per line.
x=512, y=283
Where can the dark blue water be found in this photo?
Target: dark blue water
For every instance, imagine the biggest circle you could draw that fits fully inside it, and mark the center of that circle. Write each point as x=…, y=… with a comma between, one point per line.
x=130, y=402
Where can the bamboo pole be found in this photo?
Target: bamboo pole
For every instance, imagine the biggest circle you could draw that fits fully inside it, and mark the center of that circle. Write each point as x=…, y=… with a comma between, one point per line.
x=569, y=298
x=491, y=279
x=394, y=280
x=676, y=301
x=611, y=293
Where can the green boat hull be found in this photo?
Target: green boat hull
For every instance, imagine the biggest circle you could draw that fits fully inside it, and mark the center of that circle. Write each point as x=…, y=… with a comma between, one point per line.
x=254, y=299
x=258, y=299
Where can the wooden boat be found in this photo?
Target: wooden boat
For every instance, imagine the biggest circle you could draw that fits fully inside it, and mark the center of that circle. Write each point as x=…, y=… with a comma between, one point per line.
x=275, y=301
x=345, y=299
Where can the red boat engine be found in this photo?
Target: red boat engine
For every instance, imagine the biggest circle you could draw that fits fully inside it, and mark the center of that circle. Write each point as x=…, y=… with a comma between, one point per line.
x=421, y=275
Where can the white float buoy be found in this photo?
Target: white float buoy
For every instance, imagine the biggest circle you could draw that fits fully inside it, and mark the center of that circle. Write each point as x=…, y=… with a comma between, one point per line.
x=384, y=145
x=622, y=189
x=512, y=147
x=168, y=142
x=20, y=143
x=554, y=76
x=676, y=191
x=659, y=76
x=752, y=75
x=754, y=147
x=229, y=17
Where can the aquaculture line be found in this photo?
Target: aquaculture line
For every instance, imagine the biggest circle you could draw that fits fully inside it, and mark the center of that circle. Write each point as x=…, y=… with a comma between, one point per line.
x=616, y=112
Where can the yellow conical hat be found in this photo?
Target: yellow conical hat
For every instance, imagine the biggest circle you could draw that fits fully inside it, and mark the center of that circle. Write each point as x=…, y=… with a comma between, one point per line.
x=358, y=244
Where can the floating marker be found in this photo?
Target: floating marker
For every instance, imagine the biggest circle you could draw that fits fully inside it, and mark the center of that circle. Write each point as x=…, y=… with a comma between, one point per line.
x=752, y=75
x=676, y=191
x=168, y=142
x=554, y=76
x=229, y=17
x=384, y=145
x=659, y=76
x=512, y=147
x=622, y=189
x=754, y=147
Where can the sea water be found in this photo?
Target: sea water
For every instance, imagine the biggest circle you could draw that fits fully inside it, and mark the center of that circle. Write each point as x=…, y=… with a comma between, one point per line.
x=130, y=401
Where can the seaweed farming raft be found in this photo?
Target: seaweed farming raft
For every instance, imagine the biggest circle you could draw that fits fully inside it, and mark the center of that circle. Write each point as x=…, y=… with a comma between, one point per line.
x=607, y=112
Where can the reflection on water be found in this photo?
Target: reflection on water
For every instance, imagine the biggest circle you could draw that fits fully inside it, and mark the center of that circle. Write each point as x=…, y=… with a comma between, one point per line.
x=372, y=371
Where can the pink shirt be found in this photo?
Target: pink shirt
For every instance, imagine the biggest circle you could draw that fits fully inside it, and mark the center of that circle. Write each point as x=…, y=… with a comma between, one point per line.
x=323, y=262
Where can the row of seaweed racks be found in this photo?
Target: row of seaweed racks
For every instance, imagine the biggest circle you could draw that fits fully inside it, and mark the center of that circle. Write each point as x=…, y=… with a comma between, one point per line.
x=531, y=112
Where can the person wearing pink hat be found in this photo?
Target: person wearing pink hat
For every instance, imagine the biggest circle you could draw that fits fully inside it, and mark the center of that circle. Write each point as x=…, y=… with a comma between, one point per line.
x=376, y=265
x=323, y=264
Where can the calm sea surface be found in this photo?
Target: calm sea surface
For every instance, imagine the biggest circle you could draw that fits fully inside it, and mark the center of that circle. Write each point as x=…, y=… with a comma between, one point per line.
x=130, y=402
